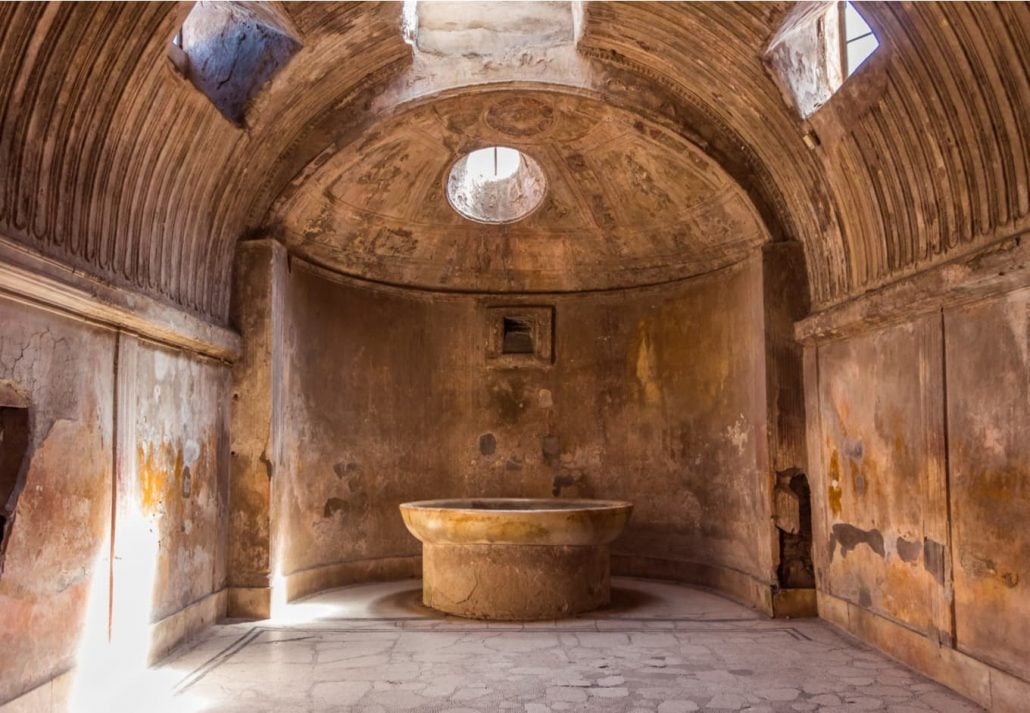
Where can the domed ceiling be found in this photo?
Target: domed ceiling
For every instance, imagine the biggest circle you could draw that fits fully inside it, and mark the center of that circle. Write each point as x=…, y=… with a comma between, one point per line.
x=626, y=203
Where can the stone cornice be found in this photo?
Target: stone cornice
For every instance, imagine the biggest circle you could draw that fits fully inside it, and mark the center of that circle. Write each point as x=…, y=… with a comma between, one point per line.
x=31, y=278
x=1001, y=267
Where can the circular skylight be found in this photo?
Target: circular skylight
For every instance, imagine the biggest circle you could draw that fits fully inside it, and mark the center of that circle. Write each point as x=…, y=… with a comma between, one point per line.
x=497, y=184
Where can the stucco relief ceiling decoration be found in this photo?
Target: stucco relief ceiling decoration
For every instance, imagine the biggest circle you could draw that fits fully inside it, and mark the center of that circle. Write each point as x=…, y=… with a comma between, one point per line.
x=627, y=203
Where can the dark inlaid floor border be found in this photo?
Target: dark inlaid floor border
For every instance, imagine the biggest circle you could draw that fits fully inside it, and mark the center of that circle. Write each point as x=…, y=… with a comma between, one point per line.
x=402, y=626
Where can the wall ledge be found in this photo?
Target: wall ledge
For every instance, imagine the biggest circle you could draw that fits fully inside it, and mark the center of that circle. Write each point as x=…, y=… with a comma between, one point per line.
x=177, y=628
x=999, y=268
x=252, y=603
x=48, y=697
x=31, y=278
x=339, y=574
x=990, y=687
x=739, y=586
x=437, y=294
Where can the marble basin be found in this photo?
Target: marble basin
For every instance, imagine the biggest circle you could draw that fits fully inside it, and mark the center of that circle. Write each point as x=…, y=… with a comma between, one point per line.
x=515, y=559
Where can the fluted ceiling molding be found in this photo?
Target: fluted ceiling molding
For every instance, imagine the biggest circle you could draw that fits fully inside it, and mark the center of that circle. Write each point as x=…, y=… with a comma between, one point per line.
x=114, y=163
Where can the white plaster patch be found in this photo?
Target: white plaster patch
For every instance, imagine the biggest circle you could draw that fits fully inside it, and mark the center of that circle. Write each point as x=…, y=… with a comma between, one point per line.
x=739, y=433
x=162, y=363
x=191, y=452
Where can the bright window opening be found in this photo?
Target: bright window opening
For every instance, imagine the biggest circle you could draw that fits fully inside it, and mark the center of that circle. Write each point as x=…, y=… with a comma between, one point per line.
x=493, y=164
x=859, y=40
x=818, y=46
x=496, y=184
x=229, y=50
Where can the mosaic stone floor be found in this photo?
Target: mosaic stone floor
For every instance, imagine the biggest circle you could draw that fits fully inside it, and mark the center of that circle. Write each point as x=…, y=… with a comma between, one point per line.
x=661, y=648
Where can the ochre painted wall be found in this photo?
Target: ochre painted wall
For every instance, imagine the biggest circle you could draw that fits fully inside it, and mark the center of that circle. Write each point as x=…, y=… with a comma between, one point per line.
x=181, y=449
x=117, y=424
x=59, y=542
x=920, y=478
x=988, y=377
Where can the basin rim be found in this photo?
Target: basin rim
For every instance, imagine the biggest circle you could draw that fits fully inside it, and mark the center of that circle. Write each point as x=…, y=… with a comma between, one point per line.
x=567, y=505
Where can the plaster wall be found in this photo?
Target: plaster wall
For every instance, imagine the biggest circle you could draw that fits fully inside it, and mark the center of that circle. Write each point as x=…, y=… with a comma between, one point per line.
x=656, y=396
x=181, y=449
x=919, y=462
x=117, y=425
x=988, y=415
x=59, y=541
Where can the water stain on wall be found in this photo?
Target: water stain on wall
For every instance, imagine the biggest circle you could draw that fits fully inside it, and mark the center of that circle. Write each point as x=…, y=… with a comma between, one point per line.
x=849, y=537
x=646, y=369
x=487, y=444
x=908, y=550
x=158, y=467
x=333, y=506
x=508, y=398
x=834, y=491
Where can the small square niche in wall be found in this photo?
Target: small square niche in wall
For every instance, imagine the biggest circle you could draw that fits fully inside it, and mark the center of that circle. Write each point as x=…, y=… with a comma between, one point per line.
x=519, y=336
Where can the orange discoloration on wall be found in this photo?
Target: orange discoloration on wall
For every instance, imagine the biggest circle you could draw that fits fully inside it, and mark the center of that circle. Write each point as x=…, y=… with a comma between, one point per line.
x=834, y=491
x=56, y=549
x=646, y=367
x=875, y=419
x=160, y=467
x=905, y=592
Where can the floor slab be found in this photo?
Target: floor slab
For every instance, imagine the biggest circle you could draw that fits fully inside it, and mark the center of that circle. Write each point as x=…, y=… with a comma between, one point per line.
x=660, y=647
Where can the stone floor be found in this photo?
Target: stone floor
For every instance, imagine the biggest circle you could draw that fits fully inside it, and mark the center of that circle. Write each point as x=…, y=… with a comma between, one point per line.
x=661, y=647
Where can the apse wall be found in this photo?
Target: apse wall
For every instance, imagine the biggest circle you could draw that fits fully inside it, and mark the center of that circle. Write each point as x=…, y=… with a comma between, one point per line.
x=654, y=395
x=116, y=549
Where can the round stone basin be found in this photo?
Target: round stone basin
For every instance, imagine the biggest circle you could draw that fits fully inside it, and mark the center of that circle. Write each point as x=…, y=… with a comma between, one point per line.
x=515, y=559
x=516, y=521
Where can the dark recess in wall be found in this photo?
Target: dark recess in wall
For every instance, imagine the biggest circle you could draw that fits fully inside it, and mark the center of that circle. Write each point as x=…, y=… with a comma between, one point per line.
x=14, y=444
x=796, y=570
x=518, y=337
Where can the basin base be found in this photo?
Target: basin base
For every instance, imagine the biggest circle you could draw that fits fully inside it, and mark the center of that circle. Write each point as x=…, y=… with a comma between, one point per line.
x=515, y=582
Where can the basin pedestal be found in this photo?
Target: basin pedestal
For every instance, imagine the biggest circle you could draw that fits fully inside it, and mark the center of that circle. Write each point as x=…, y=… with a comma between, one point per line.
x=515, y=582
x=515, y=560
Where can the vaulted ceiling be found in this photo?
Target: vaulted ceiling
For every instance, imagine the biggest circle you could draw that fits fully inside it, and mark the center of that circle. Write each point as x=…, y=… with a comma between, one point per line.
x=113, y=162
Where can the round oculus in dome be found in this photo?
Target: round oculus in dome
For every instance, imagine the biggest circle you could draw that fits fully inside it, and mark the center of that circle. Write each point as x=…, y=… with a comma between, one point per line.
x=497, y=184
